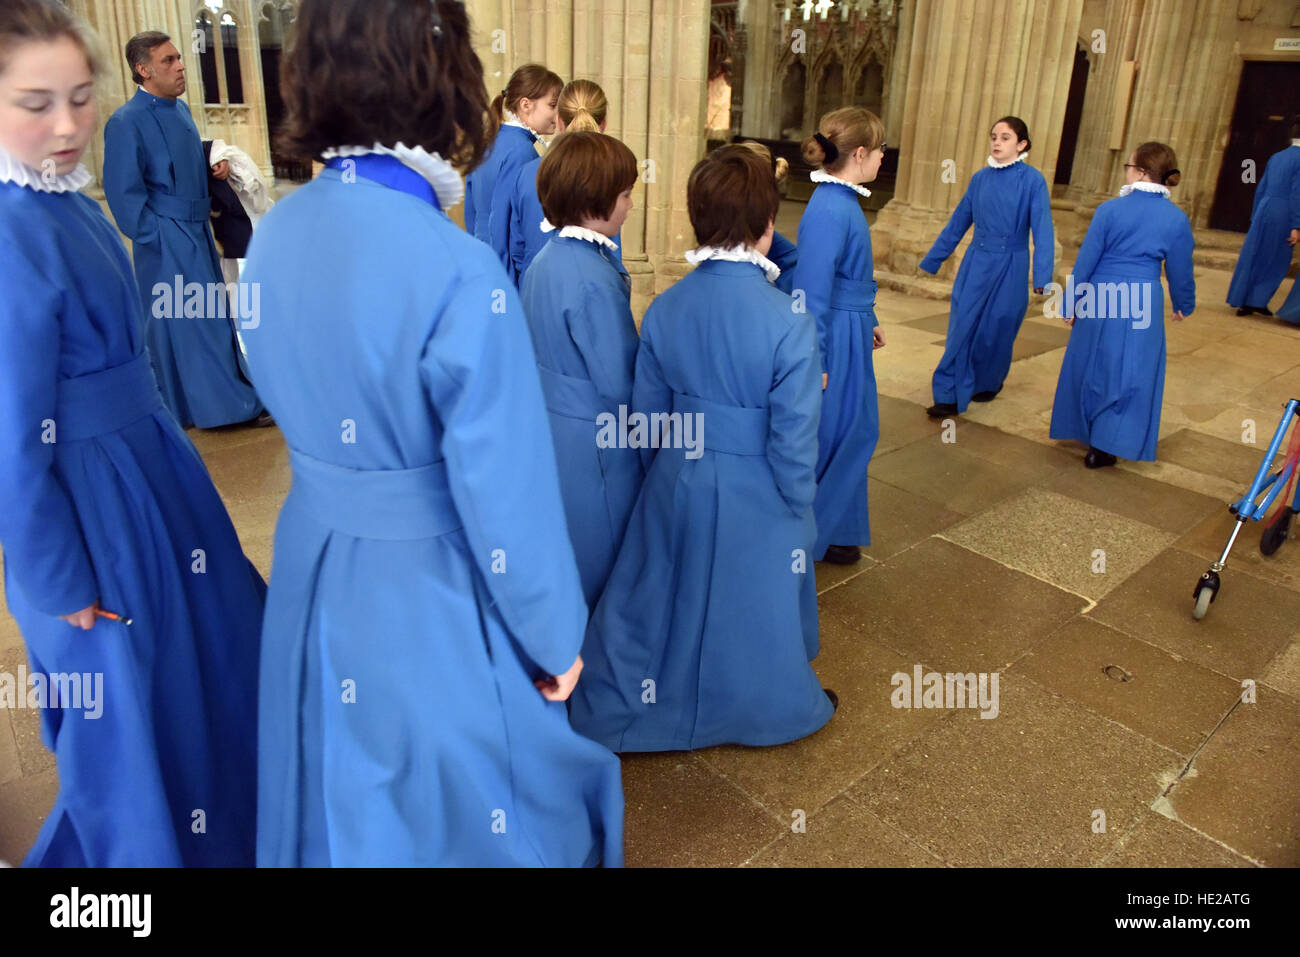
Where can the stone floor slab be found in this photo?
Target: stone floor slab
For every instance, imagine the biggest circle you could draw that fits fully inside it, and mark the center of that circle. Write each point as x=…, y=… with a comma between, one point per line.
x=1243, y=792
x=902, y=423
x=956, y=479
x=24, y=805
x=1134, y=496
x=844, y=835
x=33, y=756
x=1162, y=697
x=1248, y=624
x=943, y=606
x=1074, y=545
x=1284, y=671
x=1021, y=789
x=1159, y=842
x=1208, y=537
x=1235, y=461
x=900, y=519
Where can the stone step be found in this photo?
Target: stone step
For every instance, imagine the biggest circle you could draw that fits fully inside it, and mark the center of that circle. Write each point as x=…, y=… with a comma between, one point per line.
x=921, y=287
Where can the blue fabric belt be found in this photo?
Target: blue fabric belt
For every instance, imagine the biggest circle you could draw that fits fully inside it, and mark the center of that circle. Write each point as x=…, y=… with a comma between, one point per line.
x=1001, y=244
x=178, y=207
x=104, y=402
x=394, y=505
x=1127, y=271
x=853, y=295
x=727, y=428
x=570, y=396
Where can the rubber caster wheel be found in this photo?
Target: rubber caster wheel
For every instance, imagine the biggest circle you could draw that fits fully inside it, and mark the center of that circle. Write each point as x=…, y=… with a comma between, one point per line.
x=1203, y=598
x=1274, y=535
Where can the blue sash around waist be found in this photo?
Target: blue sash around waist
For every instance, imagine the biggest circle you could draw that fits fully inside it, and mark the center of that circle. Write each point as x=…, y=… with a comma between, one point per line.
x=853, y=295
x=180, y=207
x=394, y=505
x=570, y=396
x=1000, y=244
x=726, y=428
x=106, y=401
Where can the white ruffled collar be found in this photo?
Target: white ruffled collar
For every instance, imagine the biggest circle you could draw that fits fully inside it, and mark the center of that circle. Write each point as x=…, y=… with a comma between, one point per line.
x=441, y=175
x=821, y=176
x=1144, y=188
x=510, y=119
x=1019, y=159
x=1295, y=142
x=20, y=174
x=580, y=232
x=737, y=254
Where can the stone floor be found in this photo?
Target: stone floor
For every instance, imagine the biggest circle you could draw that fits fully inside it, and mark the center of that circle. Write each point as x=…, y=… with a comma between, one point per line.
x=1120, y=737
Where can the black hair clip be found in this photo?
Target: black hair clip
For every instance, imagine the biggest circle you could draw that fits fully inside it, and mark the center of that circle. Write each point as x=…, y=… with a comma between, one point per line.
x=1165, y=179
x=828, y=148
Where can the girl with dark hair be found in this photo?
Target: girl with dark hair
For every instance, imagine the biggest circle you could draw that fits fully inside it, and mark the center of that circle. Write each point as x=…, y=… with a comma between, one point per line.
x=704, y=632
x=121, y=565
x=424, y=626
x=1005, y=202
x=1113, y=375
x=576, y=295
x=524, y=111
x=1274, y=231
x=836, y=279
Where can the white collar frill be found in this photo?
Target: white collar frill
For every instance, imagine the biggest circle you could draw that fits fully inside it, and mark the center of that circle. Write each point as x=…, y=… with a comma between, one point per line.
x=510, y=119
x=580, y=232
x=735, y=254
x=821, y=176
x=20, y=174
x=1144, y=188
x=441, y=175
x=1019, y=159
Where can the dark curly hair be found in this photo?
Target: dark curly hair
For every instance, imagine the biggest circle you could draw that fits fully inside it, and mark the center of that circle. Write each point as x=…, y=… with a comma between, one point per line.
x=384, y=71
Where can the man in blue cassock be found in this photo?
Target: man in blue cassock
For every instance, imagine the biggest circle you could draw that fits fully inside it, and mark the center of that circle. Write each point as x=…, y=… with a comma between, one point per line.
x=156, y=181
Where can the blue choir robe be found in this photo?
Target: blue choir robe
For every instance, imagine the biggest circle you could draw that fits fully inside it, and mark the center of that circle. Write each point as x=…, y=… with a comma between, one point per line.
x=1113, y=376
x=1265, y=253
x=989, y=297
x=834, y=273
x=785, y=255
x=512, y=148
x=423, y=576
x=1290, y=308
x=576, y=297
x=106, y=499
x=706, y=627
x=156, y=182
x=520, y=210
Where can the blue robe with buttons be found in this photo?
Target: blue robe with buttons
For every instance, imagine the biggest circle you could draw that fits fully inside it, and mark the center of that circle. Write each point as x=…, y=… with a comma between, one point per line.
x=512, y=148
x=423, y=577
x=576, y=298
x=106, y=499
x=1113, y=376
x=706, y=627
x=989, y=296
x=156, y=182
x=835, y=275
x=1265, y=253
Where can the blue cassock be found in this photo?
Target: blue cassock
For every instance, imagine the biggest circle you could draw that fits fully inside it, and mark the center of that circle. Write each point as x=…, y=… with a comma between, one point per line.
x=989, y=297
x=835, y=274
x=1113, y=375
x=105, y=498
x=512, y=148
x=576, y=296
x=785, y=255
x=519, y=209
x=1290, y=308
x=156, y=181
x=713, y=597
x=1266, y=254
x=423, y=576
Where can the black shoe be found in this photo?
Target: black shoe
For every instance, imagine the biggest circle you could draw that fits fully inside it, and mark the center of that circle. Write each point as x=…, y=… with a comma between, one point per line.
x=842, y=554
x=1245, y=311
x=985, y=396
x=835, y=699
x=1263, y=311
x=940, y=409
x=1097, y=459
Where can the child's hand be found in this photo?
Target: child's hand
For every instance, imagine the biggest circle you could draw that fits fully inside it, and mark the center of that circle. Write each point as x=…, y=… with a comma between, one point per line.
x=84, y=619
x=825, y=379
x=561, y=686
x=877, y=338
x=1178, y=316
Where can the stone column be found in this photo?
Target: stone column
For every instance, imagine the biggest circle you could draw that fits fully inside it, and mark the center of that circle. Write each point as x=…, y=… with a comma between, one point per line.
x=969, y=62
x=760, y=118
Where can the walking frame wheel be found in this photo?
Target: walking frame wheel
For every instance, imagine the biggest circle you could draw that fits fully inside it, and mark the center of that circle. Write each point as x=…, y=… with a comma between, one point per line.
x=1207, y=588
x=1275, y=534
